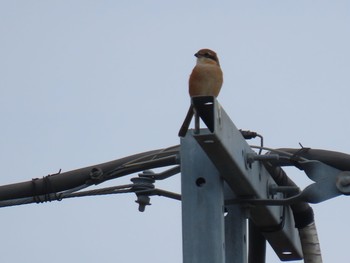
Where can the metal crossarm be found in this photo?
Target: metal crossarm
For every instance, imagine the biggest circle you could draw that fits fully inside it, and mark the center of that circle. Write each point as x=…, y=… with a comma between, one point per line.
x=223, y=146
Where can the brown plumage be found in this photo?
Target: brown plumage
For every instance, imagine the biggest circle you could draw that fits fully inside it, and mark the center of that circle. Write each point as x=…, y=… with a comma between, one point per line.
x=206, y=77
x=205, y=80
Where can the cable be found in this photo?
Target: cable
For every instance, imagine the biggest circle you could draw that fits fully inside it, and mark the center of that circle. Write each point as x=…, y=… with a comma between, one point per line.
x=136, y=167
x=87, y=176
x=102, y=191
x=278, y=151
x=152, y=156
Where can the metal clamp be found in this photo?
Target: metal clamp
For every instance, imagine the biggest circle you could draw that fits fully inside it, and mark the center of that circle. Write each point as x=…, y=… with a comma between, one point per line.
x=343, y=182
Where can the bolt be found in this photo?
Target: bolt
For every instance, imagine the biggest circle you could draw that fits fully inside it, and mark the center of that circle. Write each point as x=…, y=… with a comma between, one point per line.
x=143, y=200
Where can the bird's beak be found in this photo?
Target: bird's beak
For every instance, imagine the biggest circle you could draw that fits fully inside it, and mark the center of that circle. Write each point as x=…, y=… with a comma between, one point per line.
x=196, y=55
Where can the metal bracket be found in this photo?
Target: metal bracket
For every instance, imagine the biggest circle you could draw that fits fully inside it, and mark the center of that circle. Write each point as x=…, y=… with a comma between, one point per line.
x=329, y=183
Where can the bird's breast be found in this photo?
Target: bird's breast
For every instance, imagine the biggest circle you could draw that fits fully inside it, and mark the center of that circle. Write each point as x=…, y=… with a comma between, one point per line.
x=205, y=80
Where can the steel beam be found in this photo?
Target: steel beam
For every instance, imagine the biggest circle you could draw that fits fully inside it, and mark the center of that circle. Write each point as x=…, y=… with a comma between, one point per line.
x=224, y=145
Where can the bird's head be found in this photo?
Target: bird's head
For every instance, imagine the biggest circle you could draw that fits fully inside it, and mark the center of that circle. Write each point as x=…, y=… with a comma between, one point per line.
x=207, y=56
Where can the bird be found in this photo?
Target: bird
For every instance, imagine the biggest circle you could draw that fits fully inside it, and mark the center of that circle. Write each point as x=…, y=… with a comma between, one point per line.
x=205, y=80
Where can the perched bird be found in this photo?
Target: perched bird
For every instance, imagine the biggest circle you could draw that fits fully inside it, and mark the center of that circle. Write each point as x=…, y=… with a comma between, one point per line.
x=205, y=80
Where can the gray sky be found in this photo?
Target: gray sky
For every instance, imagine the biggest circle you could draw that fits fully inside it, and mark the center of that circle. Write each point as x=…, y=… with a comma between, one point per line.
x=84, y=82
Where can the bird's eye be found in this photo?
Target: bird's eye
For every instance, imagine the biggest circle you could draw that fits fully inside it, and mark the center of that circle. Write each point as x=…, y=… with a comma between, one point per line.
x=209, y=55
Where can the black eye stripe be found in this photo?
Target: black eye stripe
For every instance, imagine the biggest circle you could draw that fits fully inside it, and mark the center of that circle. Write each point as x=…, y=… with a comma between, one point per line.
x=208, y=55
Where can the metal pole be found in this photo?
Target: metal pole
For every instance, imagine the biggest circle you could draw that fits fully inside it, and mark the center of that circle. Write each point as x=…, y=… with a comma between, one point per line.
x=257, y=245
x=235, y=230
x=202, y=206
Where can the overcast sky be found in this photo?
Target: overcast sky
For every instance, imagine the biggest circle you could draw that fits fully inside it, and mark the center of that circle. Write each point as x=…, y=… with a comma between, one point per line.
x=85, y=82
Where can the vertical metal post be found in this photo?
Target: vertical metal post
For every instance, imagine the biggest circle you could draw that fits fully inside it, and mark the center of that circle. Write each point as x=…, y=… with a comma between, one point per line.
x=257, y=245
x=202, y=206
x=235, y=231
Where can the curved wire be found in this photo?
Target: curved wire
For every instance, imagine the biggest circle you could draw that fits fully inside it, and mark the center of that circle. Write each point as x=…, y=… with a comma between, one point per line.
x=152, y=156
x=278, y=151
